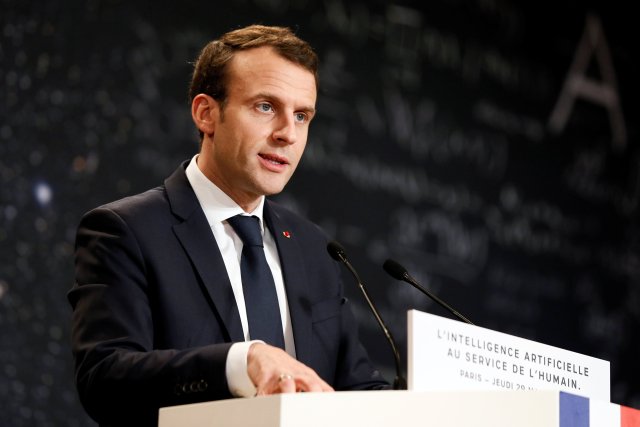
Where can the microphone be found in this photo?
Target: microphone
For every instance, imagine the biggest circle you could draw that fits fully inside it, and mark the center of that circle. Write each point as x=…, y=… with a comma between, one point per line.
x=336, y=251
x=397, y=271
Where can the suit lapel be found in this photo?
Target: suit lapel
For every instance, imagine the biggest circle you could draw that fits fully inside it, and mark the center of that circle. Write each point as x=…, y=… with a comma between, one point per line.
x=295, y=281
x=198, y=242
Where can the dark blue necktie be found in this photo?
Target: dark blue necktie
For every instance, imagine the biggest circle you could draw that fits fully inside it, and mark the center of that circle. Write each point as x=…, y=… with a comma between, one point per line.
x=261, y=300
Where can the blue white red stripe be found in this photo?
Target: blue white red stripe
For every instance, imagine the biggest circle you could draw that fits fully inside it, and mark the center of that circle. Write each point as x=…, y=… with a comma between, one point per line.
x=577, y=411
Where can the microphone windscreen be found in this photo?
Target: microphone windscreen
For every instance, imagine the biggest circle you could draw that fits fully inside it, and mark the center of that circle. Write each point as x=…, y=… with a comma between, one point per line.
x=394, y=269
x=336, y=250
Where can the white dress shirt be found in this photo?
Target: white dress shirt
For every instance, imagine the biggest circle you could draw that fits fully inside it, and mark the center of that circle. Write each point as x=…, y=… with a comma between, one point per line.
x=218, y=207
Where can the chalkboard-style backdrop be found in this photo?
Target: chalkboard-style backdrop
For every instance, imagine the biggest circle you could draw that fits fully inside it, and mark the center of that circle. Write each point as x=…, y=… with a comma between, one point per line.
x=489, y=146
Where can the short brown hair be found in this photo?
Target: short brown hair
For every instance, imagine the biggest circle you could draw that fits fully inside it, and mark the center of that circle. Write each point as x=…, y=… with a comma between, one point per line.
x=209, y=74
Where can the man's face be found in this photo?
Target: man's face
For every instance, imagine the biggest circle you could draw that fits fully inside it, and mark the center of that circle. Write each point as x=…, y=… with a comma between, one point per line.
x=260, y=136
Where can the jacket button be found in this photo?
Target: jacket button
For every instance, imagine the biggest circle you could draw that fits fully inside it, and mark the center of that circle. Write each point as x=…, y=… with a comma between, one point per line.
x=202, y=385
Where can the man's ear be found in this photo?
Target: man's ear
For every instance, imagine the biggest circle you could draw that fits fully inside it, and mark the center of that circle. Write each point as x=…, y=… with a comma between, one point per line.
x=205, y=112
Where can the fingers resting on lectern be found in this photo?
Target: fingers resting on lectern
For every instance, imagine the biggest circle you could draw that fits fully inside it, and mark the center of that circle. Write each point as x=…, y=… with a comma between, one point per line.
x=273, y=371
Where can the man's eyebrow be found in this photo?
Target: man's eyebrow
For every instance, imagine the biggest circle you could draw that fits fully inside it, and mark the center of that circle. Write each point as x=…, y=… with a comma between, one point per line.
x=309, y=109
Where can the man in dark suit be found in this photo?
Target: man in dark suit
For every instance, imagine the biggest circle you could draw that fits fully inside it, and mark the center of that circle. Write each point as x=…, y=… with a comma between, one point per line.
x=163, y=311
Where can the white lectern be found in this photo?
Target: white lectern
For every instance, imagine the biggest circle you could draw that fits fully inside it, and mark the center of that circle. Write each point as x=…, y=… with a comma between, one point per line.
x=453, y=369
x=405, y=408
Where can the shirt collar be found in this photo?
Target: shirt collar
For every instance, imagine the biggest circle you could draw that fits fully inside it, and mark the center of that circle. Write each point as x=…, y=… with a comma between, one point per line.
x=215, y=203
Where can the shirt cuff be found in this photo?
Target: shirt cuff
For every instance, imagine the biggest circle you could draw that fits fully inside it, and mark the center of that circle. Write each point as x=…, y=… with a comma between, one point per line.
x=240, y=385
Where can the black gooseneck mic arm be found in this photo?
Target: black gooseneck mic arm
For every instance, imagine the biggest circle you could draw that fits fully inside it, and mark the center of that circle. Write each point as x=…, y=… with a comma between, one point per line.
x=397, y=271
x=337, y=252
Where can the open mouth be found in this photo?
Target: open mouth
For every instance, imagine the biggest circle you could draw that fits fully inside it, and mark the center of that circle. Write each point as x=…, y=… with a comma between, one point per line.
x=276, y=160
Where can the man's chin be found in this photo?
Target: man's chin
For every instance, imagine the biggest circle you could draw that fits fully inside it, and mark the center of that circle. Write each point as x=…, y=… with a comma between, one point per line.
x=273, y=191
x=273, y=187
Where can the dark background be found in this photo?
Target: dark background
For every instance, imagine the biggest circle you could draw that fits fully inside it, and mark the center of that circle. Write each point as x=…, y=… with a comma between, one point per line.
x=432, y=146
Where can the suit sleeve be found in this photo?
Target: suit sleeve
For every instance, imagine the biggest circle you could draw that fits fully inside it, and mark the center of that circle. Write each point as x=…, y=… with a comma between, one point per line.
x=117, y=369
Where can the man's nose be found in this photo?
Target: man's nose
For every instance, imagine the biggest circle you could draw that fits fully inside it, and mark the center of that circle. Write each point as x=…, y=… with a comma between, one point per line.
x=285, y=131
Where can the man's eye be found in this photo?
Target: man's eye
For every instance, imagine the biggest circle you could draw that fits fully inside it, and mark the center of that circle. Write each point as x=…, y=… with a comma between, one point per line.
x=265, y=107
x=301, y=117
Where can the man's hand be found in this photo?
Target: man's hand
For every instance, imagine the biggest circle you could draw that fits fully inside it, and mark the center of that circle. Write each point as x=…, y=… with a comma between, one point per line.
x=273, y=371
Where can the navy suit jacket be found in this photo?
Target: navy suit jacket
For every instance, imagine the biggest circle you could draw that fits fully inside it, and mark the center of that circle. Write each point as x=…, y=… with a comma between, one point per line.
x=154, y=314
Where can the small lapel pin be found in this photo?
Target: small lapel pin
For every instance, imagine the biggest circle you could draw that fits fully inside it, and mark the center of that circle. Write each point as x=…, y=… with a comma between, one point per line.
x=286, y=234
